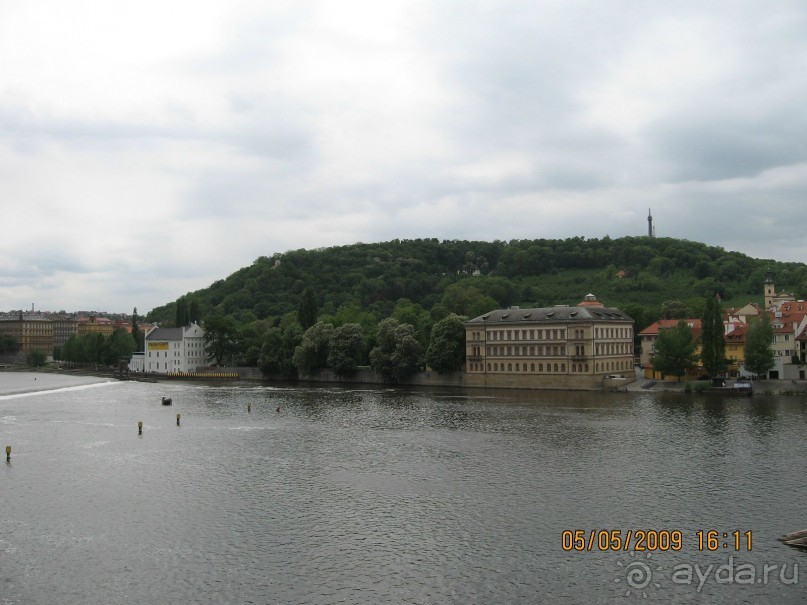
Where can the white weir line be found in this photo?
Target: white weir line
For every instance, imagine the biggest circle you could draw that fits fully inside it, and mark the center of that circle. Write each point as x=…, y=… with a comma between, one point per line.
x=79, y=387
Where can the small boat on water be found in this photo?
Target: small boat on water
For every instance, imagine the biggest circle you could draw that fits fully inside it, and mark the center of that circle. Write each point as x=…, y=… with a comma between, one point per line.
x=167, y=401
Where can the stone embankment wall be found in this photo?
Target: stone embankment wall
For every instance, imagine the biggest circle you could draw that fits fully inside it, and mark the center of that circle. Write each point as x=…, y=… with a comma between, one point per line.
x=460, y=379
x=361, y=376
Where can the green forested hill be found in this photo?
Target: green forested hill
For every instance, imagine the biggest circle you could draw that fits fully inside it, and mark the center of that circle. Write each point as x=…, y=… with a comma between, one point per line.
x=425, y=279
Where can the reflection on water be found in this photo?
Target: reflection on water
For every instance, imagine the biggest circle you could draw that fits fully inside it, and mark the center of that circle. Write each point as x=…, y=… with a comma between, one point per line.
x=384, y=495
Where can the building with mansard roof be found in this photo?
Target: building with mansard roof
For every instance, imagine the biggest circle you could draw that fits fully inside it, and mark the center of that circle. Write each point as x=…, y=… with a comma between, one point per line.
x=563, y=347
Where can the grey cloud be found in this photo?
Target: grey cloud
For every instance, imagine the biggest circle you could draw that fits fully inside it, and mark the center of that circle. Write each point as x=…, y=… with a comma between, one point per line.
x=271, y=126
x=722, y=151
x=45, y=261
x=710, y=146
x=511, y=78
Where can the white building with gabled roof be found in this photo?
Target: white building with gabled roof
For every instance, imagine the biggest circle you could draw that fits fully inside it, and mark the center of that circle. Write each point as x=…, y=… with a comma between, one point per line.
x=170, y=350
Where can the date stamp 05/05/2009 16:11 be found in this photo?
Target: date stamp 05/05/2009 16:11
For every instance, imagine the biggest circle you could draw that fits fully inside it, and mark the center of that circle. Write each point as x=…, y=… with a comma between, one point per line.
x=711, y=540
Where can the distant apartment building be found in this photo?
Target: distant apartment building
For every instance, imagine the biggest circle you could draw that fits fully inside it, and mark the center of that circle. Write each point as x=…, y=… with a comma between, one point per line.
x=549, y=347
x=64, y=326
x=170, y=350
x=95, y=325
x=31, y=331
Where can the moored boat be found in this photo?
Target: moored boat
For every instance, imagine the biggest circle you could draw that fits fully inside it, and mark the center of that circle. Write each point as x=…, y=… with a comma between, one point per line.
x=739, y=386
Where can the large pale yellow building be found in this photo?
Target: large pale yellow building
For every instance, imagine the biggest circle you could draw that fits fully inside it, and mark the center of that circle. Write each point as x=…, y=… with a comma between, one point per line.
x=560, y=347
x=31, y=331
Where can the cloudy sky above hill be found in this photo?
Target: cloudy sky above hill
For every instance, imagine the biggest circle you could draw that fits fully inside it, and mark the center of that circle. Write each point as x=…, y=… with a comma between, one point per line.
x=148, y=149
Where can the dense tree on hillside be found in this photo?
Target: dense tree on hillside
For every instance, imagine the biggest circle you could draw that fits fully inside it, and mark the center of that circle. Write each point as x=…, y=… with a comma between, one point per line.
x=277, y=352
x=186, y=311
x=367, y=318
x=312, y=352
x=675, y=350
x=365, y=283
x=713, y=347
x=446, y=352
x=674, y=309
x=759, y=359
x=346, y=349
x=181, y=312
x=250, y=338
x=407, y=312
x=194, y=311
x=272, y=360
x=397, y=352
x=221, y=337
x=307, y=311
x=465, y=298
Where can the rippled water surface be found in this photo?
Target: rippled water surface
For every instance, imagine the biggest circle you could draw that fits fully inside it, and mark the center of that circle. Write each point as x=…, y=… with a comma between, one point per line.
x=392, y=496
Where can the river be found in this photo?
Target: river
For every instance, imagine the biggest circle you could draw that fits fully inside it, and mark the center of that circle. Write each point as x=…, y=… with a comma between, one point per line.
x=394, y=495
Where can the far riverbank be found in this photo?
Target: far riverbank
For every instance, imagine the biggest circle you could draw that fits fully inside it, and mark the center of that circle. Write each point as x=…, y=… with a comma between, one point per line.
x=30, y=380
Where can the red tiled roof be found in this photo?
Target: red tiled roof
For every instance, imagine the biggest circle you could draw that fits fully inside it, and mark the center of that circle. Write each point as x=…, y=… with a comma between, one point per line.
x=794, y=306
x=737, y=335
x=665, y=324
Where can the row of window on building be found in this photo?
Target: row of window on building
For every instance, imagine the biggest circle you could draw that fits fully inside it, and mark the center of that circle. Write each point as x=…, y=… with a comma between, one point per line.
x=616, y=348
x=532, y=350
x=553, y=334
x=549, y=368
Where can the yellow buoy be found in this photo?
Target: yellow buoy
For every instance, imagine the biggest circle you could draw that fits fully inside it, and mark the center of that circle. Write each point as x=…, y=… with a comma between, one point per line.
x=140, y=427
x=8, y=453
x=177, y=419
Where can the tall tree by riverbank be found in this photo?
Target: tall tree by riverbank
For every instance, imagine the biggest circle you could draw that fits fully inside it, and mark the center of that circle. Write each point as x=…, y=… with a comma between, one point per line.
x=759, y=358
x=675, y=351
x=713, y=345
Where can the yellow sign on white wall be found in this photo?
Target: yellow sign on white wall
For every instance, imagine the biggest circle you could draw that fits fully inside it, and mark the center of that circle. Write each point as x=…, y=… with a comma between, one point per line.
x=158, y=346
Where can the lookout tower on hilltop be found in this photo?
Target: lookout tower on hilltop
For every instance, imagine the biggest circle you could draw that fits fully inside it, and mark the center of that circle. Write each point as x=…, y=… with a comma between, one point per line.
x=651, y=231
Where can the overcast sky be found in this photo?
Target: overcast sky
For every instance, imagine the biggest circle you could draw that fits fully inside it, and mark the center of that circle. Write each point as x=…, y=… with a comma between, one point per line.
x=150, y=148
